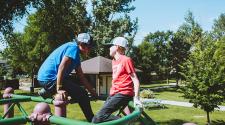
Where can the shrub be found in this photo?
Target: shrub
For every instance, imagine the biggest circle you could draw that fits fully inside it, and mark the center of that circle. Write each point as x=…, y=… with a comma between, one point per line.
x=146, y=94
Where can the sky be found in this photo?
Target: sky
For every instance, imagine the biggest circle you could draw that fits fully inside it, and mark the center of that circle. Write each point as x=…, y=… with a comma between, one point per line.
x=162, y=15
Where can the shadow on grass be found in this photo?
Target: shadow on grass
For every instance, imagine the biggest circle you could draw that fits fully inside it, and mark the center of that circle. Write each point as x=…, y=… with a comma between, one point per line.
x=218, y=122
x=172, y=122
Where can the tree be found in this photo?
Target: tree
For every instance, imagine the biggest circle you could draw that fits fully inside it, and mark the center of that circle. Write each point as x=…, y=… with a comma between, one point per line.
x=191, y=29
x=13, y=10
x=160, y=41
x=52, y=25
x=143, y=57
x=205, y=75
x=57, y=22
x=219, y=27
x=3, y=70
x=178, y=53
x=110, y=19
x=188, y=34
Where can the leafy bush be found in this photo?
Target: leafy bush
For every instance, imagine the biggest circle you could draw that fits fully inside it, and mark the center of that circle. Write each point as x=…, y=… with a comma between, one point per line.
x=147, y=94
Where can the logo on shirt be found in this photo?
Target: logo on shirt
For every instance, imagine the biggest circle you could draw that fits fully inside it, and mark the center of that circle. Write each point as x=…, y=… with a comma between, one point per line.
x=116, y=70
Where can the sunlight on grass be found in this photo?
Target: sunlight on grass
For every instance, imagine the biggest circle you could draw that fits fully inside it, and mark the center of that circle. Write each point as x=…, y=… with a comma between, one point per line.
x=171, y=115
x=176, y=115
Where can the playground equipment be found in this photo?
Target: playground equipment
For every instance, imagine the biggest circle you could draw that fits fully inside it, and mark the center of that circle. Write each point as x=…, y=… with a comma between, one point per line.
x=42, y=113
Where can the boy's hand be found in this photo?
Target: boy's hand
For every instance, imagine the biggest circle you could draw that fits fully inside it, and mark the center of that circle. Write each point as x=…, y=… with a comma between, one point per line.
x=93, y=93
x=137, y=103
x=62, y=95
x=58, y=87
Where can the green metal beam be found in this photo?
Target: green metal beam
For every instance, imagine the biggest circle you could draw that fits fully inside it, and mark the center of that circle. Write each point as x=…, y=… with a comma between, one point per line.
x=9, y=110
x=136, y=114
x=21, y=109
x=13, y=100
x=124, y=120
x=14, y=120
x=66, y=121
x=23, y=98
x=35, y=99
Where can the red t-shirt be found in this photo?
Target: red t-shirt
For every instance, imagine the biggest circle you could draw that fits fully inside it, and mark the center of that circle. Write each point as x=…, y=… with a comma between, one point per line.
x=121, y=80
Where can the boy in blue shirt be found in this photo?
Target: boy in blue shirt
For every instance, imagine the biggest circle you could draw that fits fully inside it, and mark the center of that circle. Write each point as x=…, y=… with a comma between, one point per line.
x=53, y=74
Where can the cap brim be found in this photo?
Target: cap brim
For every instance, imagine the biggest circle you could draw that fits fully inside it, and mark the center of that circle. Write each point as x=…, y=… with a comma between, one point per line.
x=107, y=44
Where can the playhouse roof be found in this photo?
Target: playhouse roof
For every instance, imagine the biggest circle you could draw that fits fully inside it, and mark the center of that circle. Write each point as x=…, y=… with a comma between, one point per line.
x=98, y=65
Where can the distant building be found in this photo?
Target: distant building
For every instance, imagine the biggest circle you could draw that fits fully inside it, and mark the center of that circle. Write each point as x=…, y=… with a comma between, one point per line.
x=99, y=72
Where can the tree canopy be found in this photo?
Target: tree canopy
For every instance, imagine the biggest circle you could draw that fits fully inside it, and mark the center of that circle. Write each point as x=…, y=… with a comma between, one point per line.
x=57, y=22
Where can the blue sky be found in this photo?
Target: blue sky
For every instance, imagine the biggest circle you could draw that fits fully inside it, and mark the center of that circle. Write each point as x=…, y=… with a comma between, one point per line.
x=161, y=15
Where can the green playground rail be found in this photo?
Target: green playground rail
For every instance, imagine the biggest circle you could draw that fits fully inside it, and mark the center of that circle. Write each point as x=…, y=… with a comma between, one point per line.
x=136, y=114
x=14, y=120
x=24, y=98
x=34, y=98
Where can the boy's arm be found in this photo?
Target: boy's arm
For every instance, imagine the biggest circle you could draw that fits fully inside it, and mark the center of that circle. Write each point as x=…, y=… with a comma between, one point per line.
x=136, y=82
x=84, y=81
x=62, y=67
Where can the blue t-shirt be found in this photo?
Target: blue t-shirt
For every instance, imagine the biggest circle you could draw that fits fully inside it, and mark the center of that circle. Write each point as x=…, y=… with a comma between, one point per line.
x=49, y=69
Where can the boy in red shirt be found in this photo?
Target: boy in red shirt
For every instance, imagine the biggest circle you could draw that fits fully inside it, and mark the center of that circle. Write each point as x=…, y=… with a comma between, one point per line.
x=125, y=84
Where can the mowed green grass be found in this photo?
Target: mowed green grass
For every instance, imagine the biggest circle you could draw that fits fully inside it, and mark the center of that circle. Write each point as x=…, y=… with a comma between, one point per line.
x=174, y=94
x=171, y=115
x=177, y=115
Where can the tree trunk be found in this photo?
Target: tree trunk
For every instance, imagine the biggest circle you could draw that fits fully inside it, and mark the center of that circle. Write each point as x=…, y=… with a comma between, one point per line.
x=32, y=81
x=167, y=78
x=177, y=80
x=208, y=119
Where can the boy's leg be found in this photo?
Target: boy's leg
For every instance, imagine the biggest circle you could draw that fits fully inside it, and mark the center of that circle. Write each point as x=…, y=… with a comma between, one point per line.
x=49, y=89
x=79, y=95
x=112, y=104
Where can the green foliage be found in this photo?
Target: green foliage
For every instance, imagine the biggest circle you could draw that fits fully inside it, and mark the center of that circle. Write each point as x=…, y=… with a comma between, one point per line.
x=219, y=27
x=146, y=94
x=143, y=58
x=57, y=22
x=160, y=42
x=152, y=54
x=3, y=70
x=190, y=29
x=178, y=52
x=12, y=10
x=110, y=19
x=205, y=75
x=220, y=51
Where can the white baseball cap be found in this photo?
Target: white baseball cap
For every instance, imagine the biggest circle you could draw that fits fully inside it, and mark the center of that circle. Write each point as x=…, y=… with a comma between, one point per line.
x=120, y=41
x=84, y=38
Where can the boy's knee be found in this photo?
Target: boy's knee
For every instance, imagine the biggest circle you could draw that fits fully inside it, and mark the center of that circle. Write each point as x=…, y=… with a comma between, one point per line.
x=96, y=119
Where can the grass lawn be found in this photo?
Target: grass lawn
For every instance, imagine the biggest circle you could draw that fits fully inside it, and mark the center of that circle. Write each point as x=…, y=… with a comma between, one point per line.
x=174, y=94
x=157, y=83
x=165, y=93
x=171, y=115
x=170, y=94
x=176, y=115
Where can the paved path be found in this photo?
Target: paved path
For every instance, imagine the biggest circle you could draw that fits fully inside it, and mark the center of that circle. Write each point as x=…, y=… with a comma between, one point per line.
x=177, y=103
